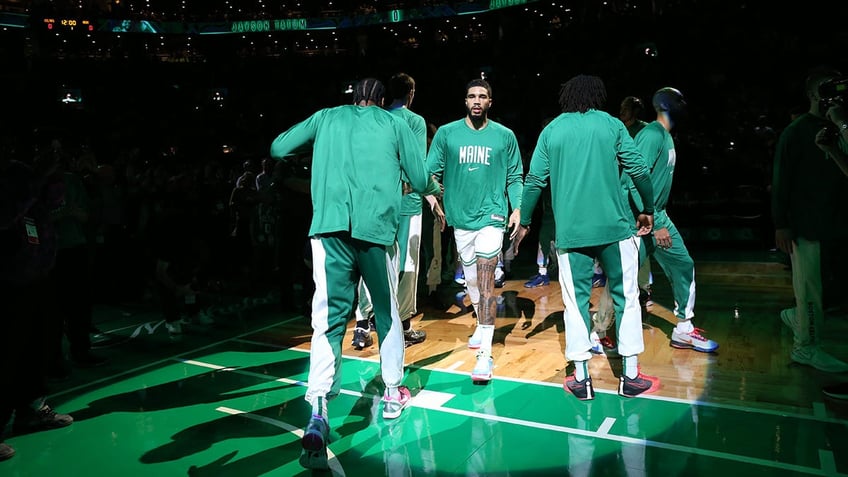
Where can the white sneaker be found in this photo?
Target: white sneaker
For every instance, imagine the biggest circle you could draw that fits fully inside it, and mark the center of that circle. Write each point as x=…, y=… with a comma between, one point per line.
x=597, y=347
x=482, y=371
x=392, y=407
x=819, y=359
x=476, y=340
x=694, y=340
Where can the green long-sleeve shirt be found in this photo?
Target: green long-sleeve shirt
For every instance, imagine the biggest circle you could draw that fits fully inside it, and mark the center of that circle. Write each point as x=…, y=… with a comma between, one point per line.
x=582, y=154
x=411, y=203
x=481, y=168
x=359, y=155
x=657, y=148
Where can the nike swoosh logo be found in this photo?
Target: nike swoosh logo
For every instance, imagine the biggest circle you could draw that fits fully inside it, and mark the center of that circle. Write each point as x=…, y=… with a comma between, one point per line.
x=472, y=169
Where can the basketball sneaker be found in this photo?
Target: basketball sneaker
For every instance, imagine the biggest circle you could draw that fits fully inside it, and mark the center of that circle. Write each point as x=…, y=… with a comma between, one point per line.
x=412, y=336
x=483, y=369
x=641, y=384
x=314, y=443
x=693, y=340
x=538, y=280
x=393, y=406
x=361, y=338
x=582, y=390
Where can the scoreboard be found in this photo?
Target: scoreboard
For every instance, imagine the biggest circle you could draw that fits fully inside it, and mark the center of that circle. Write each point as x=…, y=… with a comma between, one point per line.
x=77, y=24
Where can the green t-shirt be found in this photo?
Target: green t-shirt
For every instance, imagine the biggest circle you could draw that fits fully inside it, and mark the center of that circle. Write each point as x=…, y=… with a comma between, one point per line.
x=359, y=156
x=582, y=154
x=479, y=169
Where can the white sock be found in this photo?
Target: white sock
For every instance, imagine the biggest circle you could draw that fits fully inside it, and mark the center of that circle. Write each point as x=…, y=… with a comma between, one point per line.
x=487, y=333
x=631, y=366
x=543, y=270
x=581, y=370
x=685, y=326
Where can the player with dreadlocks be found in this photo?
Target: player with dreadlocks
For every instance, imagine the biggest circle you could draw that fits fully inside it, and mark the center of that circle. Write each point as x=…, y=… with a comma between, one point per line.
x=360, y=153
x=581, y=152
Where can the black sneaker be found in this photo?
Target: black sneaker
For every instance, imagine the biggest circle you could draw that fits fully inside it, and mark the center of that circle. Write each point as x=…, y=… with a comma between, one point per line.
x=314, y=443
x=44, y=418
x=582, y=390
x=641, y=384
x=412, y=336
x=500, y=282
x=6, y=451
x=361, y=338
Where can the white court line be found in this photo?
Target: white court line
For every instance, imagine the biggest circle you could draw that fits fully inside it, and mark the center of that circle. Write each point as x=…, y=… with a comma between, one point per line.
x=606, y=426
x=623, y=439
x=332, y=461
x=431, y=399
x=690, y=402
x=456, y=365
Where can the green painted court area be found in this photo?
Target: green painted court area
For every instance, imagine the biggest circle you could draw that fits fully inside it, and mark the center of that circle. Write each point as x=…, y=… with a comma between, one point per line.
x=236, y=408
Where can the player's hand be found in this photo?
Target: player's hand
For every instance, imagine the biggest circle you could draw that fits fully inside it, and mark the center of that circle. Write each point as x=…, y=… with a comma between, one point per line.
x=439, y=214
x=644, y=224
x=663, y=238
x=514, y=223
x=521, y=232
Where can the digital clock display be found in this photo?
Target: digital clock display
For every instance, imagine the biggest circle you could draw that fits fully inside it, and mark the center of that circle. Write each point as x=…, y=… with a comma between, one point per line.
x=68, y=23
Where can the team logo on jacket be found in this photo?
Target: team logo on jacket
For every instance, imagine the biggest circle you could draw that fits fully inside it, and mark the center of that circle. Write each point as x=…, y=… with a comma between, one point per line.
x=474, y=155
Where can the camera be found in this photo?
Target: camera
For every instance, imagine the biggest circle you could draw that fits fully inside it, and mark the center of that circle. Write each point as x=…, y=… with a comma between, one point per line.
x=834, y=91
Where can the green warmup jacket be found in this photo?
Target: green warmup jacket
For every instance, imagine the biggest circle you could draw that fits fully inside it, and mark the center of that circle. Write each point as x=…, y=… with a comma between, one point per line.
x=582, y=154
x=411, y=204
x=657, y=148
x=359, y=155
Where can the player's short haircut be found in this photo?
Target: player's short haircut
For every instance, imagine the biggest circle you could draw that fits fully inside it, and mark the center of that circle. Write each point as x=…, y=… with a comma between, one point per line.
x=633, y=103
x=400, y=85
x=481, y=83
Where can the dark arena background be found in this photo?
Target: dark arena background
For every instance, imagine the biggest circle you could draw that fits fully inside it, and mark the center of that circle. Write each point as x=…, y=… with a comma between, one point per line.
x=163, y=104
